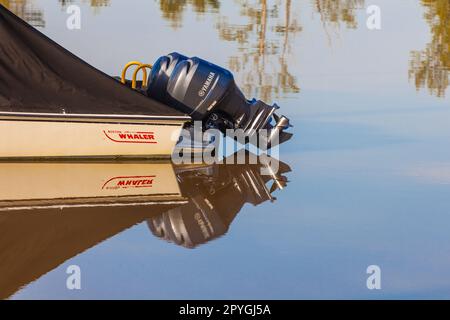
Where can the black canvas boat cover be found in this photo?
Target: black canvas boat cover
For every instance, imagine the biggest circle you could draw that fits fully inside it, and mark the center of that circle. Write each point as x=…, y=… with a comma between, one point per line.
x=39, y=76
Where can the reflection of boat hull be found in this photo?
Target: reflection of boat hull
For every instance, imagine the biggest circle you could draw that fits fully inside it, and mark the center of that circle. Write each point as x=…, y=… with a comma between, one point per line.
x=51, y=212
x=46, y=185
x=62, y=136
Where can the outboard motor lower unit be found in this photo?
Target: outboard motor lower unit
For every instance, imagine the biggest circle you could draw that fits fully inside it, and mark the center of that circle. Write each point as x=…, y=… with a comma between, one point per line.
x=208, y=93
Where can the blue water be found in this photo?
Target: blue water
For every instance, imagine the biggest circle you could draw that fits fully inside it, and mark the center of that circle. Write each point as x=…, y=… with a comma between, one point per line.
x=370, y=180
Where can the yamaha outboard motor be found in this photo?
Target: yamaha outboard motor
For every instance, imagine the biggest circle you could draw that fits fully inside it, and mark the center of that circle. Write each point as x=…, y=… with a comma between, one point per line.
x=208, y=93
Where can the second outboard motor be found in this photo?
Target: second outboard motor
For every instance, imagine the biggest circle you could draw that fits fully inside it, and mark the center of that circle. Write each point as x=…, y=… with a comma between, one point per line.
x=208, y=93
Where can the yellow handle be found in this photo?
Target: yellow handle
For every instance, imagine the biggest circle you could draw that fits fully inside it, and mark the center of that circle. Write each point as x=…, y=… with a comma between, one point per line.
x=144, y=82
x=128, y=65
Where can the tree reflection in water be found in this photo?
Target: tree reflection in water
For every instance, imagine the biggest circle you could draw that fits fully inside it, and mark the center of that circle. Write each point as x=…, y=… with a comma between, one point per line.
x=172, y=10
x=430, y=67
x=264, y=56
x=335, y=13
x=262, y=64
x=96, y=5
x=25, y=10
x=264, y=41
x=264, y=48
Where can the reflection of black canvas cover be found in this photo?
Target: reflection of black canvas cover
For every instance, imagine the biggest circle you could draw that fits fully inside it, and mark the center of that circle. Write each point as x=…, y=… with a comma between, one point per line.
x=39, y=76
x=34, y=242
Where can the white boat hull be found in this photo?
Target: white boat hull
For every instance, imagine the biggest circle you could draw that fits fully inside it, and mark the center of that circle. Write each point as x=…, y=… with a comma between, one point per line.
x=84, y=137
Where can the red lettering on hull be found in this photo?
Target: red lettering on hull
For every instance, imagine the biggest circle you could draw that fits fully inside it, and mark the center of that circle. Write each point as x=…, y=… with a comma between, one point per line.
x=131, y=137
x=129, y=182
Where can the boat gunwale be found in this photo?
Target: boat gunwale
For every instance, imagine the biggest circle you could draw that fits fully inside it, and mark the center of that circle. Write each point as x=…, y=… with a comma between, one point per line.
x=93, y=118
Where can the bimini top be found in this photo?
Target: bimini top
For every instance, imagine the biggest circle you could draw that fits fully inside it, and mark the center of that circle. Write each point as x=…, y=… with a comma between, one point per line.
x=39, y=76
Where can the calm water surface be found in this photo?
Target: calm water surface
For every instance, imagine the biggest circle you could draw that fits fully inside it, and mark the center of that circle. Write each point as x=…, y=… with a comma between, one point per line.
x=370, y=160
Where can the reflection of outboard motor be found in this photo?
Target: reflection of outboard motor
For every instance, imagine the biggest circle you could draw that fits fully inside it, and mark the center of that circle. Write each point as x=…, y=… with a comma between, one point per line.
x=208, y=93
x=216, y=195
